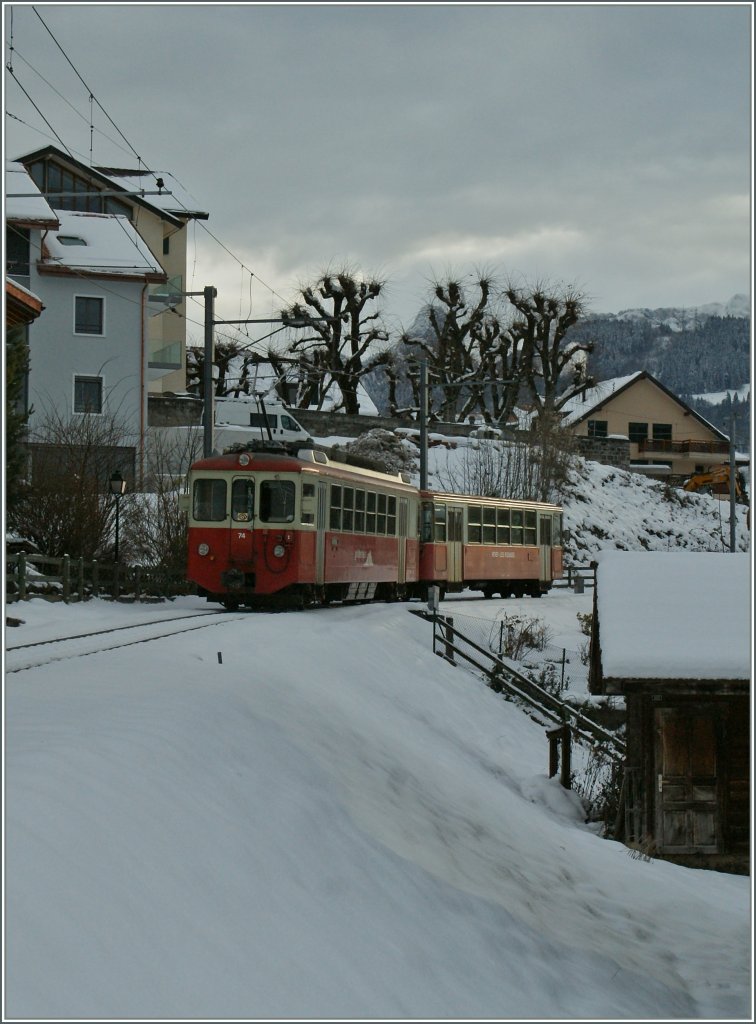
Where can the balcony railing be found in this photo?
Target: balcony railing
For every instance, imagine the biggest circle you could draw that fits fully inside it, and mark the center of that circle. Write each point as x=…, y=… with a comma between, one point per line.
x=689, y=447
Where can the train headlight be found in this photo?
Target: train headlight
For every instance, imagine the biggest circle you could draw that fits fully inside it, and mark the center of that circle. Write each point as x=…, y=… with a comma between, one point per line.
x=279, y=550
x=203, y=549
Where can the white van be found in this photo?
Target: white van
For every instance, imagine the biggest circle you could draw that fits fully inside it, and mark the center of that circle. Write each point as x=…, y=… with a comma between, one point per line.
x=243, y=419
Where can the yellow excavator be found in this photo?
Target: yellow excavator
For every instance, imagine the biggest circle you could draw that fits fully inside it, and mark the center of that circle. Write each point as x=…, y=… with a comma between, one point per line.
x=716, y=481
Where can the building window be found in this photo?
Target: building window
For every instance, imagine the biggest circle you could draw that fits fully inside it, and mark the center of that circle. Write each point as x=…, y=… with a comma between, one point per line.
x=17, y=253
x=89, y=315
x=597, y=428
x=662, y=431
x=637, y=432
x=166, y=245
x=88, y=394
x=65, y=190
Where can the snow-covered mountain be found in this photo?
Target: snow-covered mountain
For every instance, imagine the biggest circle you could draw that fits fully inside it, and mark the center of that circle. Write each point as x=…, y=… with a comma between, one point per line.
x=684, y=318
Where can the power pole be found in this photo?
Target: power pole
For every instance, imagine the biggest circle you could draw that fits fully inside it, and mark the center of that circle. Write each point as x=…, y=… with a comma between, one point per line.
x=209, y=410
x=733, y=471
x=423, y=425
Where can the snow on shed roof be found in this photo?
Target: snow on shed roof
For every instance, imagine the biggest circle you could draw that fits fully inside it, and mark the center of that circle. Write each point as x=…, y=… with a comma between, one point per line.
x=674, y=615
x=103, y=243
x=20, y=207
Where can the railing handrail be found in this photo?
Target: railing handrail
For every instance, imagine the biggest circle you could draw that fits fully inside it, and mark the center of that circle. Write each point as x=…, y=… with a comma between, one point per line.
x=552, y=707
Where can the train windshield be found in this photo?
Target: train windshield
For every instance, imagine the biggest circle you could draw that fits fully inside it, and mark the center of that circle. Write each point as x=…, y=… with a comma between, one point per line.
x=277, y=501
x=209, y=500
x=243, y=500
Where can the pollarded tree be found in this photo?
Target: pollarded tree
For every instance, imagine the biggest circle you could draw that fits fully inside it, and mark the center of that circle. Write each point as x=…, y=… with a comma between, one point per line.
x=544, y=316
x=450, y=347
x=343, y=335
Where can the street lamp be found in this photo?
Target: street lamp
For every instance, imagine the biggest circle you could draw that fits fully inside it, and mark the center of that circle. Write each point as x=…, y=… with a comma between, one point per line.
x=117, y=488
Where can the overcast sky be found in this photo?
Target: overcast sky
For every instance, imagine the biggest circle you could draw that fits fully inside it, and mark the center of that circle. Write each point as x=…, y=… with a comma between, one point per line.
x=606, y=146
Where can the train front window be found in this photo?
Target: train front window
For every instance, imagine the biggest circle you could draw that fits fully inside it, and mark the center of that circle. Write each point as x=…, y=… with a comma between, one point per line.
x=243, y=500
x=209, y=500
x=277, y=501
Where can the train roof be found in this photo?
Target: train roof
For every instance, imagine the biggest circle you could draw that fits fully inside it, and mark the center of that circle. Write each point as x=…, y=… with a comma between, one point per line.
x=282, y=458
x=481, y=499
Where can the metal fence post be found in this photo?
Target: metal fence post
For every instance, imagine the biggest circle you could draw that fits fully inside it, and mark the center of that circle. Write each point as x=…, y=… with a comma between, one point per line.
x=66, y=574
x=21, y=570
x=81, y=579
x=94, y=577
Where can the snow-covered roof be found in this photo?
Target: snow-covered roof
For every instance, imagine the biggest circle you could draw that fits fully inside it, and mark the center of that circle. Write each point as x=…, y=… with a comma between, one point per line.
x=22, y=208
x=578, y=406
x=99, y=243
x=674, y=615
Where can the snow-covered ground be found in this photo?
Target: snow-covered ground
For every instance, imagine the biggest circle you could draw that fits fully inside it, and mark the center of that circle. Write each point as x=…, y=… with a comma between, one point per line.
x=309, y=815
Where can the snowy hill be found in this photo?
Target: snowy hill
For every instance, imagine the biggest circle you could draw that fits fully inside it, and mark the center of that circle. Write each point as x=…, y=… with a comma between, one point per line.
x=606, y=507
x=310, y=815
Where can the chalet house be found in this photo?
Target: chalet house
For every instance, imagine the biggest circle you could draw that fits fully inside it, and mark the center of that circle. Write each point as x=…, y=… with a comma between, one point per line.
x=667, y=439
x=108, y=259
x=671, y=634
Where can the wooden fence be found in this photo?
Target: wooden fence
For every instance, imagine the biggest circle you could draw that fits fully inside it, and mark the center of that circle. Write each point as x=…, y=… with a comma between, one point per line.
x=577, y=576
x=74, y=579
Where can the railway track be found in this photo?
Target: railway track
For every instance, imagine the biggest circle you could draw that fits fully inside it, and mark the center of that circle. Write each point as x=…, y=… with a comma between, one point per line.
x=43, y=652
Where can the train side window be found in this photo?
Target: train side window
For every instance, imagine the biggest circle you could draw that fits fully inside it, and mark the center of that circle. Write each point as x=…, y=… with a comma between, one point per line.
x=544, y=524
x=489, y=525
x=391, y=517
x=370, y=516
x=426, y=524
x=347, y=520
x=359, y=511
x=439, y=522
x=381, y=515
x=530, y=528
x=474, y=514
x=516, y=526
x=243, y=500
x=335, y=521
x=209, y=500
x=502, y=526
x=277, y=501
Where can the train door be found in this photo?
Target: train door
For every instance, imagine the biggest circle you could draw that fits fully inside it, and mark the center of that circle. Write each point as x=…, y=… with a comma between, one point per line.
x=544, y=544
x=321, y=523
x=402, y=525
x=454, y=526
x=242, y=520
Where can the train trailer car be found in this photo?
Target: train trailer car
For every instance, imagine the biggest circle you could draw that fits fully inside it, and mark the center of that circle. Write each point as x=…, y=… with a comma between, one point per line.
x=497, y=545
x=266, y=526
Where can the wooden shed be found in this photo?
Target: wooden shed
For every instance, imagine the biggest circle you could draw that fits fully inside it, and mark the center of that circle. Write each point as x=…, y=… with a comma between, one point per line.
x=672, y=635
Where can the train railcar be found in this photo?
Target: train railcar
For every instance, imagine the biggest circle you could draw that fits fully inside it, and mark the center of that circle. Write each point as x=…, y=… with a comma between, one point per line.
x=265, y=525
x=496, y=545
x=270, y=526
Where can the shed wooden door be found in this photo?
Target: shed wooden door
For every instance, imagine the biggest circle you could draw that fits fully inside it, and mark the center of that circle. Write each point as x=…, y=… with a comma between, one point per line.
x=687, y=819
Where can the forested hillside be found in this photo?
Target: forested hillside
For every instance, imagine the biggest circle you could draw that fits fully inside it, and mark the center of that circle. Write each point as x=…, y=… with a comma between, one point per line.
x=711, y=355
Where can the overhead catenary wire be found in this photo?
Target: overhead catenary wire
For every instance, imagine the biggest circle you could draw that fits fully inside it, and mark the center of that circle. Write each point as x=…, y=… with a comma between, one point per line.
x=92, y=98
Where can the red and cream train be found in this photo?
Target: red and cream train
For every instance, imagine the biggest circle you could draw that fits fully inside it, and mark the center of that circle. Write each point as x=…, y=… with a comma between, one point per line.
x=266, y=526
